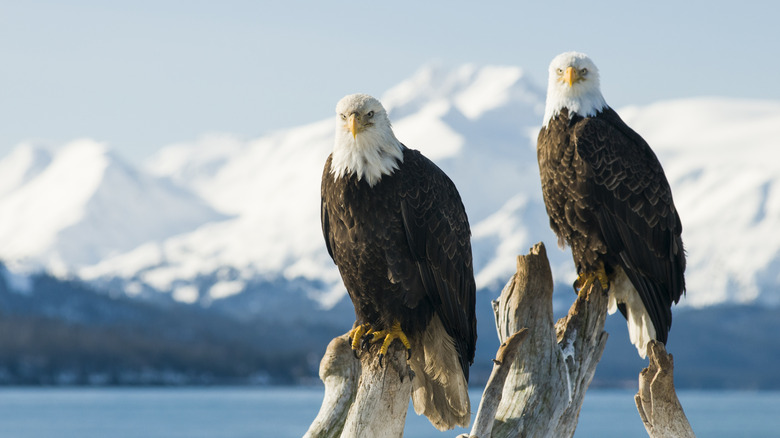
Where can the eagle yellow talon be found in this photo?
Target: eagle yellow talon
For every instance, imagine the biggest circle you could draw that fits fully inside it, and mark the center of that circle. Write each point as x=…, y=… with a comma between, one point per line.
x=586, y=279
x=356, y=335
x=389, y=336
x=362, y=335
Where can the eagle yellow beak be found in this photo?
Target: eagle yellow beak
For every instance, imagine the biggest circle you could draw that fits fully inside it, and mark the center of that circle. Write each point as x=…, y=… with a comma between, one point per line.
x=570, y=76
x=352, y=123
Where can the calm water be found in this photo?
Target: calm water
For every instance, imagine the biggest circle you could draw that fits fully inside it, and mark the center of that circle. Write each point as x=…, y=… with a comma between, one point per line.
x=287, y=412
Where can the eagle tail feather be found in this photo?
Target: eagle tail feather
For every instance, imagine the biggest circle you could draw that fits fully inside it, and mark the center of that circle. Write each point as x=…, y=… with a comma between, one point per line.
x=439, y=388
x=623, y=296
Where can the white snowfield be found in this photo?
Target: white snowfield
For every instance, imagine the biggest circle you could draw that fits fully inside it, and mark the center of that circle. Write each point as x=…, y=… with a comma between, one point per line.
x=234, y=210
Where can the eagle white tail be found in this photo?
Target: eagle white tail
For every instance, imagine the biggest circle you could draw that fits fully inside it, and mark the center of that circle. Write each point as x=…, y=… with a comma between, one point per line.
x=439, y=388
x=640, y=328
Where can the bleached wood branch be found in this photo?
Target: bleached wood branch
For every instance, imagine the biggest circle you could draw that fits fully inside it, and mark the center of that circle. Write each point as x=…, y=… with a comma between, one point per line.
x=657, y=402
x=491, y=397
x=339, y=370
x=362, y=398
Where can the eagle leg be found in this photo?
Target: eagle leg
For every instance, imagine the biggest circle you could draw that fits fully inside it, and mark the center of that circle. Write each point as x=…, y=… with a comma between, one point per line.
x=389, y=336
x=357, y=334
x=586, y=279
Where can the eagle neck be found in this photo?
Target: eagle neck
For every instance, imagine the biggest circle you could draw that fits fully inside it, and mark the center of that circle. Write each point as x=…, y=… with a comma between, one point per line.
x=369, y=155
x=586, y=104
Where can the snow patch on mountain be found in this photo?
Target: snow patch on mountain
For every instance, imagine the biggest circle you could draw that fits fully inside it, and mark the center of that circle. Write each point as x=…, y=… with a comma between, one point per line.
x=427, y=127
x=82, y=204
x=21, y=165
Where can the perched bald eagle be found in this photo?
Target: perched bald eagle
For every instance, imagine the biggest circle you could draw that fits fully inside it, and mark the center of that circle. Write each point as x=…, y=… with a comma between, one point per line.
x=608, y=198
x=396, y=228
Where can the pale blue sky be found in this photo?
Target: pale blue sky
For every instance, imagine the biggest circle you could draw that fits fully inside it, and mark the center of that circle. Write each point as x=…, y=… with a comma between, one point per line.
x=143, y=74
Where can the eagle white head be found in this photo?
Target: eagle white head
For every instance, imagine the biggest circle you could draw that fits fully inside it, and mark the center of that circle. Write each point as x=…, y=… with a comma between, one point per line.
x=573, y=83
x=365, y=143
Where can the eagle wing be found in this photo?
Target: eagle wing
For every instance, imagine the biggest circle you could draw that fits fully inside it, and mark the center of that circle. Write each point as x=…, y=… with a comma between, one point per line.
x=324, y=218
x=635, y=211
x=439, y=238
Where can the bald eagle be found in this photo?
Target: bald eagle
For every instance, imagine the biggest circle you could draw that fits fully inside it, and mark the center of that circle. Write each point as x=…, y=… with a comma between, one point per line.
x=608, y=199
x=395, y=226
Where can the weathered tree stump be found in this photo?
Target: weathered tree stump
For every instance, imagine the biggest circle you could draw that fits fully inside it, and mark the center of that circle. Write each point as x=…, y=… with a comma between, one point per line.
x=362, y=398
x=545, y=388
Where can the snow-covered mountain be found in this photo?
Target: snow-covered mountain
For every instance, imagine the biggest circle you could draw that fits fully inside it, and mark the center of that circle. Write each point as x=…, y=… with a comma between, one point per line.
x=205, y=219
x=74, y=207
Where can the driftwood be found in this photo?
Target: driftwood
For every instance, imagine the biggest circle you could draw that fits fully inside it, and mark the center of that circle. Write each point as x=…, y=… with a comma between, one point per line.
x=546, y=386
x=539, y=379
x=657, y=402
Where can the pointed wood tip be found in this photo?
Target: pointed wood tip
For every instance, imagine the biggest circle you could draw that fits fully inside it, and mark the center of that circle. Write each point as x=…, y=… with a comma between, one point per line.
x=537, y=252
x=539, y=249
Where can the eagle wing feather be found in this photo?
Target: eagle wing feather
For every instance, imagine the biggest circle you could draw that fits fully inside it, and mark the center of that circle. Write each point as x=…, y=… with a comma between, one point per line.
x=635, y=212
x=439, y=238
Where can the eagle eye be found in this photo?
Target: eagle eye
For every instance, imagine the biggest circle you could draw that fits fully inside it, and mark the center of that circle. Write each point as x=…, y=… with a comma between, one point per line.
x=583, y=72
x=370, y=114
x=560, y=71
x=343, y=116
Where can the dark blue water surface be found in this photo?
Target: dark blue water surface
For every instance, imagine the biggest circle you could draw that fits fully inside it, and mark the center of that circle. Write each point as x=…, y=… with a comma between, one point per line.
x=287, y=412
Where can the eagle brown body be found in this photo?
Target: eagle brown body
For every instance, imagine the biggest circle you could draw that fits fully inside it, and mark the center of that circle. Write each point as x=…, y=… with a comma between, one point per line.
x=608, y=198
x=403, y=250
x=397, y=230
